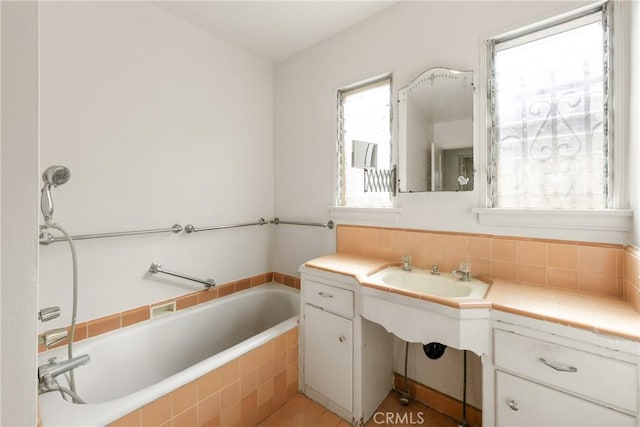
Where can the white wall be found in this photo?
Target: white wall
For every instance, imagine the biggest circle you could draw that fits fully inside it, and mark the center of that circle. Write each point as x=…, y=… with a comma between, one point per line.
x=420, y=133
x=405, y=39
x=634, y=134
x=19, y=212
x=1, y=401
x=159, y=123
x=446, y=372
x=458, y=134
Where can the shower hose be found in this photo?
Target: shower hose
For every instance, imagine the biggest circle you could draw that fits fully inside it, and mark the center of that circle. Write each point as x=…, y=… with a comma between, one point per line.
x=74, y=310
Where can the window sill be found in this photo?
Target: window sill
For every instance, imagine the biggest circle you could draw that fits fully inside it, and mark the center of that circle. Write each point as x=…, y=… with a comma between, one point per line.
x=375, y=215
x=576, y=219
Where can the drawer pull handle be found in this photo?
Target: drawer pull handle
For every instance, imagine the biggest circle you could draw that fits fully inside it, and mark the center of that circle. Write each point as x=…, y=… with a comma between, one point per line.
x=325, y=295
x=558, y=367
x=342, y=338
x=513, y=405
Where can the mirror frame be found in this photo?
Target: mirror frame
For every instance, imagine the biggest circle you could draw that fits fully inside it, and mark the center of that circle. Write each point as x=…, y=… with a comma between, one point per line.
x=430, y=74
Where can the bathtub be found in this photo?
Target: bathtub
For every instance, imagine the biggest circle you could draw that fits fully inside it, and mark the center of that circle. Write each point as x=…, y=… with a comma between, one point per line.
x=133, y=366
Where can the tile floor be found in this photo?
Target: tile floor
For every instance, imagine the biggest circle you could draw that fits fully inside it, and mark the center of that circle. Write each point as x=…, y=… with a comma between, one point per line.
x=301, y=411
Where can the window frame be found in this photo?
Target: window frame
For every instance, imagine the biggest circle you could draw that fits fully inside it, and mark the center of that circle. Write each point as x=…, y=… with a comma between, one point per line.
x=616, y=217
x=342, y=158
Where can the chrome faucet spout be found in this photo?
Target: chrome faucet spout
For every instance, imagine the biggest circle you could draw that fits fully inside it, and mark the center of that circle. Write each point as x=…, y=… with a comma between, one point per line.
x=53, y=336
x=465, y=276
x=47, y=372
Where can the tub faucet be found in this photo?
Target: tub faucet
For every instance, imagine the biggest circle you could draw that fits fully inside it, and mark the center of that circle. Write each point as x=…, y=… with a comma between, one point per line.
x=53, y=336
x=48, y=371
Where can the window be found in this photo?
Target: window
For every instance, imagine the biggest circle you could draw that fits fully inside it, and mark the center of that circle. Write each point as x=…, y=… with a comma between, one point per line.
x=549, y=97
x=364, y=116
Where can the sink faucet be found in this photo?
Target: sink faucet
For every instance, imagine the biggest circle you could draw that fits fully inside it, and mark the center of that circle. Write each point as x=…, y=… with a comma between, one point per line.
x=406, y=262
x=48, y=371
x=465, y=276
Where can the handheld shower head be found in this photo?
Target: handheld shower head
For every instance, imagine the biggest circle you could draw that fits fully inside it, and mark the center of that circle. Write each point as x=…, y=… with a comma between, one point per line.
x=52, y=176
x=56, y=175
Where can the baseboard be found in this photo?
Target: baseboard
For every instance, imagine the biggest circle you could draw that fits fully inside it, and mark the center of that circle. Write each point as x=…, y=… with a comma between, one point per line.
x=438, y=400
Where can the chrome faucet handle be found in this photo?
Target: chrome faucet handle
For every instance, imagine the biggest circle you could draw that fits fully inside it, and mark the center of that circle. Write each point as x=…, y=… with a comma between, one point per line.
x=48, y=313
x=53, y=336
x=48, y=371
x=435, y=270
x=55, y=368
x=406, y=262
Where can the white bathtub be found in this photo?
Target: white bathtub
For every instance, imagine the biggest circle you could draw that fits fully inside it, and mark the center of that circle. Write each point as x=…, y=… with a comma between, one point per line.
x=133, y=366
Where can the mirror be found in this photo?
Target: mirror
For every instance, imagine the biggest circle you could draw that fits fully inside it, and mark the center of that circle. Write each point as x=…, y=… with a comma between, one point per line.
x=436, y=132
x=364, y=155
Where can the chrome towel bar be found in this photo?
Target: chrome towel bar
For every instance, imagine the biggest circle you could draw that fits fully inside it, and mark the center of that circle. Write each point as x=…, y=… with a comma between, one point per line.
x=157, y=268
x=330, y=225
x=192, y=229
x=47, y=238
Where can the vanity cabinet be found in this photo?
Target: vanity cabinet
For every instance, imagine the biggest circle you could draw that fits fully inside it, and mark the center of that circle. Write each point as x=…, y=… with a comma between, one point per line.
x=328, y=346
x=562, y=377
x=346, y=362
x=520, y=402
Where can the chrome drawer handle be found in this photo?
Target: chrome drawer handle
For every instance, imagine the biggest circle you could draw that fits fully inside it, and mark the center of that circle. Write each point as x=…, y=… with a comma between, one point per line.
x=325, y=295
x=558, y=367
x=342, y=338
x=513, y=405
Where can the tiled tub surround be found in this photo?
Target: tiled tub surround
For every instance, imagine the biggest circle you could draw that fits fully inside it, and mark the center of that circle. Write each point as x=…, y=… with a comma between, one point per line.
x=244, y=392
x=206, y=364
x=587, y=268
x=130, y=317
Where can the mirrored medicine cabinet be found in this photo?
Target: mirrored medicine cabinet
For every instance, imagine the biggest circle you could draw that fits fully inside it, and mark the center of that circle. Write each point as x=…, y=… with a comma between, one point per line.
x=435, y=132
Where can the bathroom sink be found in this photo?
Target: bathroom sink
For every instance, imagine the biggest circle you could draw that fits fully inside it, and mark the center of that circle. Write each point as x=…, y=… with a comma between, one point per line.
x=444, y=285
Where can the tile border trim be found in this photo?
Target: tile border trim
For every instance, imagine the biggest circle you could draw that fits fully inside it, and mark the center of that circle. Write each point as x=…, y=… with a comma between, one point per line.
x=493, y=236
x=102, y=325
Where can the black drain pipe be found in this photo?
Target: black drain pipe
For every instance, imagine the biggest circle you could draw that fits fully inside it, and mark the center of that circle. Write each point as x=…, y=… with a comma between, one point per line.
x=404, y=399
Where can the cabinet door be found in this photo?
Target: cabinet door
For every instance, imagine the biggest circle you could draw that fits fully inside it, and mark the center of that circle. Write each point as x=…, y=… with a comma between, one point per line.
x=328, y=355
x=520, y=402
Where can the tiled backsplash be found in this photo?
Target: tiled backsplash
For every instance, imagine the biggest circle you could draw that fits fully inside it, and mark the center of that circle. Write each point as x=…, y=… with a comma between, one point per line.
x=120, y=320
x=594, y=268
x=631, y=276
x=611, y=270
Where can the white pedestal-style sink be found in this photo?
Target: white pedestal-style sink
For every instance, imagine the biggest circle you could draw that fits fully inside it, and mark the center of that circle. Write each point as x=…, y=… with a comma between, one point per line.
x=428, y=308
x=445, y=285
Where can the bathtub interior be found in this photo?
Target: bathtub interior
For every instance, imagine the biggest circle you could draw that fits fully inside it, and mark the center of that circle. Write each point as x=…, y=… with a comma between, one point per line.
x=130, y=359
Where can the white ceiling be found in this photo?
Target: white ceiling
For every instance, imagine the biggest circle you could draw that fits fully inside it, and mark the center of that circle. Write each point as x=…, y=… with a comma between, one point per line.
x=273, y=30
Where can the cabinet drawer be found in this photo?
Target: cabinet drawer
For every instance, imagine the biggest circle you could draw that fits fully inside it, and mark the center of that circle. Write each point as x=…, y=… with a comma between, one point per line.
x=524, y=403
x=593, y=376
x=330, y=298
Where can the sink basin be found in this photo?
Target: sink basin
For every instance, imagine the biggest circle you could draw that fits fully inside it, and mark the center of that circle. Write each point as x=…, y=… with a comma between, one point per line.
x=445, y=285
